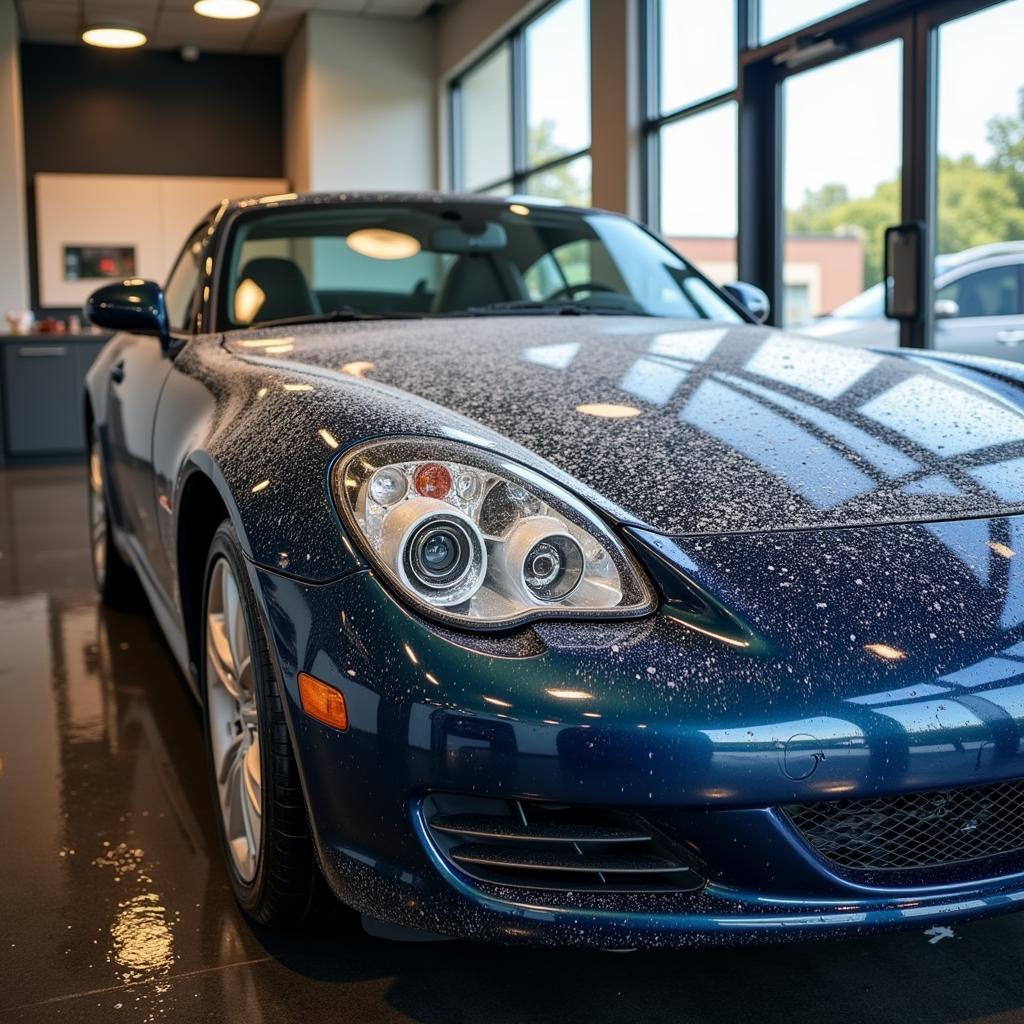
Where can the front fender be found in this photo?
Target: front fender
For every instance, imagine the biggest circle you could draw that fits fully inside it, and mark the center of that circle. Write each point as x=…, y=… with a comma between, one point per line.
x=235, y=425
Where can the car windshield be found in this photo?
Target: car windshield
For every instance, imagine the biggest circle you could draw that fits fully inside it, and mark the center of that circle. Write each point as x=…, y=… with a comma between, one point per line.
x=349, y=261
x=869, y=305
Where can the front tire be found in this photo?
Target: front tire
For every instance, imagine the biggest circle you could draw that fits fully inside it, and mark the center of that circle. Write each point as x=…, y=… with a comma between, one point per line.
x=261, y=815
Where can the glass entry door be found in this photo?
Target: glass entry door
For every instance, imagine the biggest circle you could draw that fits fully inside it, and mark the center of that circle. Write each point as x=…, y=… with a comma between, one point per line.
x=842, y=126
x=979, y=183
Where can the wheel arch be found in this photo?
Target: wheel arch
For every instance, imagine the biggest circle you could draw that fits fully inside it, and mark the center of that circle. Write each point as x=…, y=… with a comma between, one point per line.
x=201, y=509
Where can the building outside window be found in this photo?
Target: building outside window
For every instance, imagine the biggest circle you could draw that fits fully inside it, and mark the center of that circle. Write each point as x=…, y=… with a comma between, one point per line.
x=521, y=115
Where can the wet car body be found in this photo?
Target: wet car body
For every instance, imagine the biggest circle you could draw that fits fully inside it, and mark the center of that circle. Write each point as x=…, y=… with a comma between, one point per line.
x=833, y=537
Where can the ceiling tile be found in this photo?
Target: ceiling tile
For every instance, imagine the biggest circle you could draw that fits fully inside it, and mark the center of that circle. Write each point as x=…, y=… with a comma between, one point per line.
x=172, y=23
x=273, y=31
x=336, y=6
x=136, y=11
x=396, y=8
x=34, y=5
x=52, y=25
x=176, y=29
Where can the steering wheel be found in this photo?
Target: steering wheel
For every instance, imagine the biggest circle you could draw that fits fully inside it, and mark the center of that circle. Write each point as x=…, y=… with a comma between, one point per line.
x=570, y=290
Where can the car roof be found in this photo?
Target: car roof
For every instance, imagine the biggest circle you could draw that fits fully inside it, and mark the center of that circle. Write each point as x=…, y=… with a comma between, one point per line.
x=364, y=197
x=949, y=261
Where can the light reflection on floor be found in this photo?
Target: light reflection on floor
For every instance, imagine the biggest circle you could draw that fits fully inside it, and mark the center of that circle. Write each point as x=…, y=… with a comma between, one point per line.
x=114, y=904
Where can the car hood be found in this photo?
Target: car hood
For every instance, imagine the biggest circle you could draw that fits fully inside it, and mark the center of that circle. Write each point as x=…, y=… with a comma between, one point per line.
x=698, y=427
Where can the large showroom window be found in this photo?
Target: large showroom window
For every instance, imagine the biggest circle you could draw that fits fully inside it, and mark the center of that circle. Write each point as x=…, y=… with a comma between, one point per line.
x=521, y=115
x=842, y=150
x=979, y=194
x=691, y=108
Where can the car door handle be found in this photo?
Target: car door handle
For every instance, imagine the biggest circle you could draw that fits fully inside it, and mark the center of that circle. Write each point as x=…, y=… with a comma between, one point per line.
x=1010, y=337
x=117, y=372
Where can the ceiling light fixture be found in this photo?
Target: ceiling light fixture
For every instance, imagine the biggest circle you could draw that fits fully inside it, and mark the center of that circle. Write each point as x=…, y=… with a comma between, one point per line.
x=113, y=36
x=231, y=10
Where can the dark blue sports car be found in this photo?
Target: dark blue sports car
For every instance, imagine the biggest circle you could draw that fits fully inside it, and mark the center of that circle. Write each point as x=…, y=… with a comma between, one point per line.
x=535, y=592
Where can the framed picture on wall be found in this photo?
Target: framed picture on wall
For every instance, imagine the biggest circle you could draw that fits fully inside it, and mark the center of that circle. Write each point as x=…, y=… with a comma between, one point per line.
x=98, y=262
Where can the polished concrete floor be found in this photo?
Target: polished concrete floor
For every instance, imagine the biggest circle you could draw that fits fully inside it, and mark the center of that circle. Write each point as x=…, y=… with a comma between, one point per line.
x=114, y=905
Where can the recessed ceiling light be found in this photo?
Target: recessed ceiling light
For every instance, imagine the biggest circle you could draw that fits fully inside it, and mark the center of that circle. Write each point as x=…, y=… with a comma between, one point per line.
x=383, y=244
x=114, y=37
x=608, y=410
x=231, y=9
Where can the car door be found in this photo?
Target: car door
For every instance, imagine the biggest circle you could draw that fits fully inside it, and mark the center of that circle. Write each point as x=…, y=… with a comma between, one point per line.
x=980, y=310
x=137, y=375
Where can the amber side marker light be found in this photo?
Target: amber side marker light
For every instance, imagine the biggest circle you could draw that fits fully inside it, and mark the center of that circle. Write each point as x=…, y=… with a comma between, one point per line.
x=322, y=702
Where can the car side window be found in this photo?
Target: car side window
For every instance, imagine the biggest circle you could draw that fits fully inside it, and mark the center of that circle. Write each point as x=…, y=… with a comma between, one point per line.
x=991, y=292
x=544, y=278
x=182, y=287
x=570, y=264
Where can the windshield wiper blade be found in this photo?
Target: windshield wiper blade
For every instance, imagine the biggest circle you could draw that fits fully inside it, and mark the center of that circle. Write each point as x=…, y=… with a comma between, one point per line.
x=331, y=316
x=531, y=306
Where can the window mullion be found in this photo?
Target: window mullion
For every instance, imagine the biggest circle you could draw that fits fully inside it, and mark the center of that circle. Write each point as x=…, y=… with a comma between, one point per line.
x=519, y=100
x=456, y=156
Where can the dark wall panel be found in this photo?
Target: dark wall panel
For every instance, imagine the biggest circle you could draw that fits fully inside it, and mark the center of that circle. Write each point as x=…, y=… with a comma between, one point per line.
x=150, y=112
x=91, y=111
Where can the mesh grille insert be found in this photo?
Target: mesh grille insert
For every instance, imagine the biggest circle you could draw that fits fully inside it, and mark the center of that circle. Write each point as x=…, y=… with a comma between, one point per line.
x=915, y=830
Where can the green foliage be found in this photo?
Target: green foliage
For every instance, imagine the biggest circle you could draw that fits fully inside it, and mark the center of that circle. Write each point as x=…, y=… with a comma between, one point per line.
x=977, y=202
x=558, y=182
x=1006, y=136
x=821, y=214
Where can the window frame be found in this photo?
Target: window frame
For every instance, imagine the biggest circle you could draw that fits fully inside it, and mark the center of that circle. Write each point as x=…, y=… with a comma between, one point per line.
x=654, y=120
x=522, y=169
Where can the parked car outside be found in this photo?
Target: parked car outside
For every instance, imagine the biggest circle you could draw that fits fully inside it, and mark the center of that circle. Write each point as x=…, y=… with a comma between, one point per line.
x=979, y=307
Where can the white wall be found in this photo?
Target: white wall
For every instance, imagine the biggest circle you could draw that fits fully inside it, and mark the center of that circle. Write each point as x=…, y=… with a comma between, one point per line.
x=13, y=240
x=359, y=104
x=468, y=28
x=152, y=214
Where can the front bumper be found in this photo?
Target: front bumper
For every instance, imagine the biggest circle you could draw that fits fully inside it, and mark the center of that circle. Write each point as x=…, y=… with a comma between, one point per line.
x=634, y=716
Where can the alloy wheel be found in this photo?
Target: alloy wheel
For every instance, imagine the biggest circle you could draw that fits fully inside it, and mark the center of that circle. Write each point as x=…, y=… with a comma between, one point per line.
x=97, y=513
x=233, y=719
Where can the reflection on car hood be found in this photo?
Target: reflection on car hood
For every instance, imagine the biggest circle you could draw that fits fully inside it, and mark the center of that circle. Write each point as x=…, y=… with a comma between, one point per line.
x=697, y=427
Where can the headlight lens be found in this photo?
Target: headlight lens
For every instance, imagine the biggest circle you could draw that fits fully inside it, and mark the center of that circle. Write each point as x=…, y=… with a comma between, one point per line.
x=477, y=540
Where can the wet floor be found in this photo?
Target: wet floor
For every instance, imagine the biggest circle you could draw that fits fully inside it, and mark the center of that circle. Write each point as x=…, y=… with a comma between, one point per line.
x=114, y=905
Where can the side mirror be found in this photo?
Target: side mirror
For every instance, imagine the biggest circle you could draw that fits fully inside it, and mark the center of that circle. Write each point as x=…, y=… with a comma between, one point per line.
x=946, y=309
x=136, y=306
x=751, y=298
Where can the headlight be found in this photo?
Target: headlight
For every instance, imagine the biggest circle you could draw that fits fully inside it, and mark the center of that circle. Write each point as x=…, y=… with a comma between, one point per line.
x=474, y=539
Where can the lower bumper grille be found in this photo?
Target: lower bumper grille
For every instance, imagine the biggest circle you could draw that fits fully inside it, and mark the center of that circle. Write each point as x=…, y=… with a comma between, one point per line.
x=912, y=831
x=557, y=848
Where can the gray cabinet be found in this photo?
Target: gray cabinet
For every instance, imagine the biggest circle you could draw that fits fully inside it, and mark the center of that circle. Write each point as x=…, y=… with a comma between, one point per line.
x=42, y=394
